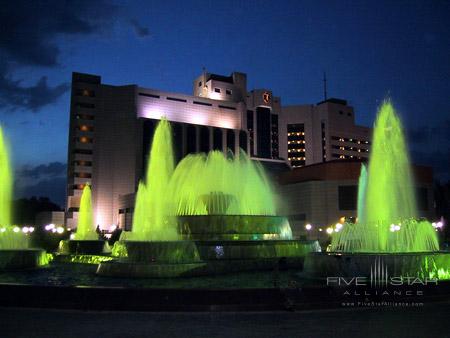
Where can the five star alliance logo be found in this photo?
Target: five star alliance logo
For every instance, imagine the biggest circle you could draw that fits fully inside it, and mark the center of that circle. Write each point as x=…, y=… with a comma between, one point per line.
x=379, y=278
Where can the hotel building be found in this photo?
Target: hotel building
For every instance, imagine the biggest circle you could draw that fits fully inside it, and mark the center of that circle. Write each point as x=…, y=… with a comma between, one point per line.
x=324, y=132
x=111, y=128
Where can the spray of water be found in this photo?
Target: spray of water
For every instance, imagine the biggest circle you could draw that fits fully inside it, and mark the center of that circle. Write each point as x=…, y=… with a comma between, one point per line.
x=216, y=184
x=11, y=237
x=86, y=228
x=387, y=208
x=200, y=185
x=154, y=217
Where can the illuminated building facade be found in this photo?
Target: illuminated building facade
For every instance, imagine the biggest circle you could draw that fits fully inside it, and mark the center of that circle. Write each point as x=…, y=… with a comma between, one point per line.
x=310, y=134
x=111, y=128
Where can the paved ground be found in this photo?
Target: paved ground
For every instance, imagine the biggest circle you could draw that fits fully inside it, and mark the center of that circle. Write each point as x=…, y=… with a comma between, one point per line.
x=428, y=321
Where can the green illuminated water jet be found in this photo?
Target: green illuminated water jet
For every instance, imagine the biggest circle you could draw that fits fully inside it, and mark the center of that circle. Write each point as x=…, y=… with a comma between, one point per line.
x=390, y=188
x=6, y=180
x=211, y=184
x=10, y=237
x=362, y=187
x=386, y=201
x=225, y=185
x=85, y=227
x=154, y=217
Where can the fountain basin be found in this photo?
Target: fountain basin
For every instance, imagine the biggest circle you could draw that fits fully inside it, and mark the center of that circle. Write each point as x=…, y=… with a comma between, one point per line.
x=20, y=259
x=196, y=258
x=234, y=227
x=165, y=252
x=417, y=264
x=82, y=247
x=264, y=249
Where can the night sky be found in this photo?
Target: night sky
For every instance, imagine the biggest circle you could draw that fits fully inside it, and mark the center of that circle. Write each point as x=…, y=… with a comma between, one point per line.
x=369, y=50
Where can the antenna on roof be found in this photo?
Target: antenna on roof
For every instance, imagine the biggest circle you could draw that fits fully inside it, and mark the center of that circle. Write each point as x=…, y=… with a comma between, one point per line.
x=324, y=86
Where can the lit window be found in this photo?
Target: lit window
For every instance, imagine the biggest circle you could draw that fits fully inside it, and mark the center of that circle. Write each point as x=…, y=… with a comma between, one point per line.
x=84, y=139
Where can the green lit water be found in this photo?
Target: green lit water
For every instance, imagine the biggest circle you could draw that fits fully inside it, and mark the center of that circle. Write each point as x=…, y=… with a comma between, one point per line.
x=387, y=208
x=390, y=187
x=215, y=184
x=11, y=237
x=154, y=217
x=362, y=188
x=6, y=180
x=201, y=184
x=85, y=227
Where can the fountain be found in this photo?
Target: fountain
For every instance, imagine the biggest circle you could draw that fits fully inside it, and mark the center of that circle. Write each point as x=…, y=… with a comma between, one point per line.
x=211, y=214
x=387, y=222
x=15, y=253
x=154, y=219
x=85, y=240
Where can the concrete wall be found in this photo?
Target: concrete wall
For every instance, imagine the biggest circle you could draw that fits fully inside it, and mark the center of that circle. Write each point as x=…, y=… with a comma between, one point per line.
x=117, y=148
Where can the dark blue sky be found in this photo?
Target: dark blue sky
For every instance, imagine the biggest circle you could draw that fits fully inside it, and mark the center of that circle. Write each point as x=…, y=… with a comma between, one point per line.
x=369, y=50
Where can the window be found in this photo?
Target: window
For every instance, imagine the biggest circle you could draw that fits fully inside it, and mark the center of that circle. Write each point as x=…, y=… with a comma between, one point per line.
x=175, y=99
x=217, y=139
x=231, y=140
x=228, y=91
x=191, y=139
x=84, y=127
x=82, y=163
x=200, y=83
x=204, y=139
x=82, y=175
x=349, y=114
x=202, y=103
x=263, y=127
x=243, y=140
x=149, y=95
x=250, y=129
x=324, y=141
x=217, y=90
x=84, y=117
x=84, y=139
x=85, y=105
x=274, y=133
x=227, y=107
x=83, y=151
x=296, y=144
x=85, y=92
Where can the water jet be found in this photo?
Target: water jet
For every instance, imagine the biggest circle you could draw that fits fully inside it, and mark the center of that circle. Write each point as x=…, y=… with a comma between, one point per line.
x=387, y=226
x=210, y=214
x=15, y=251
